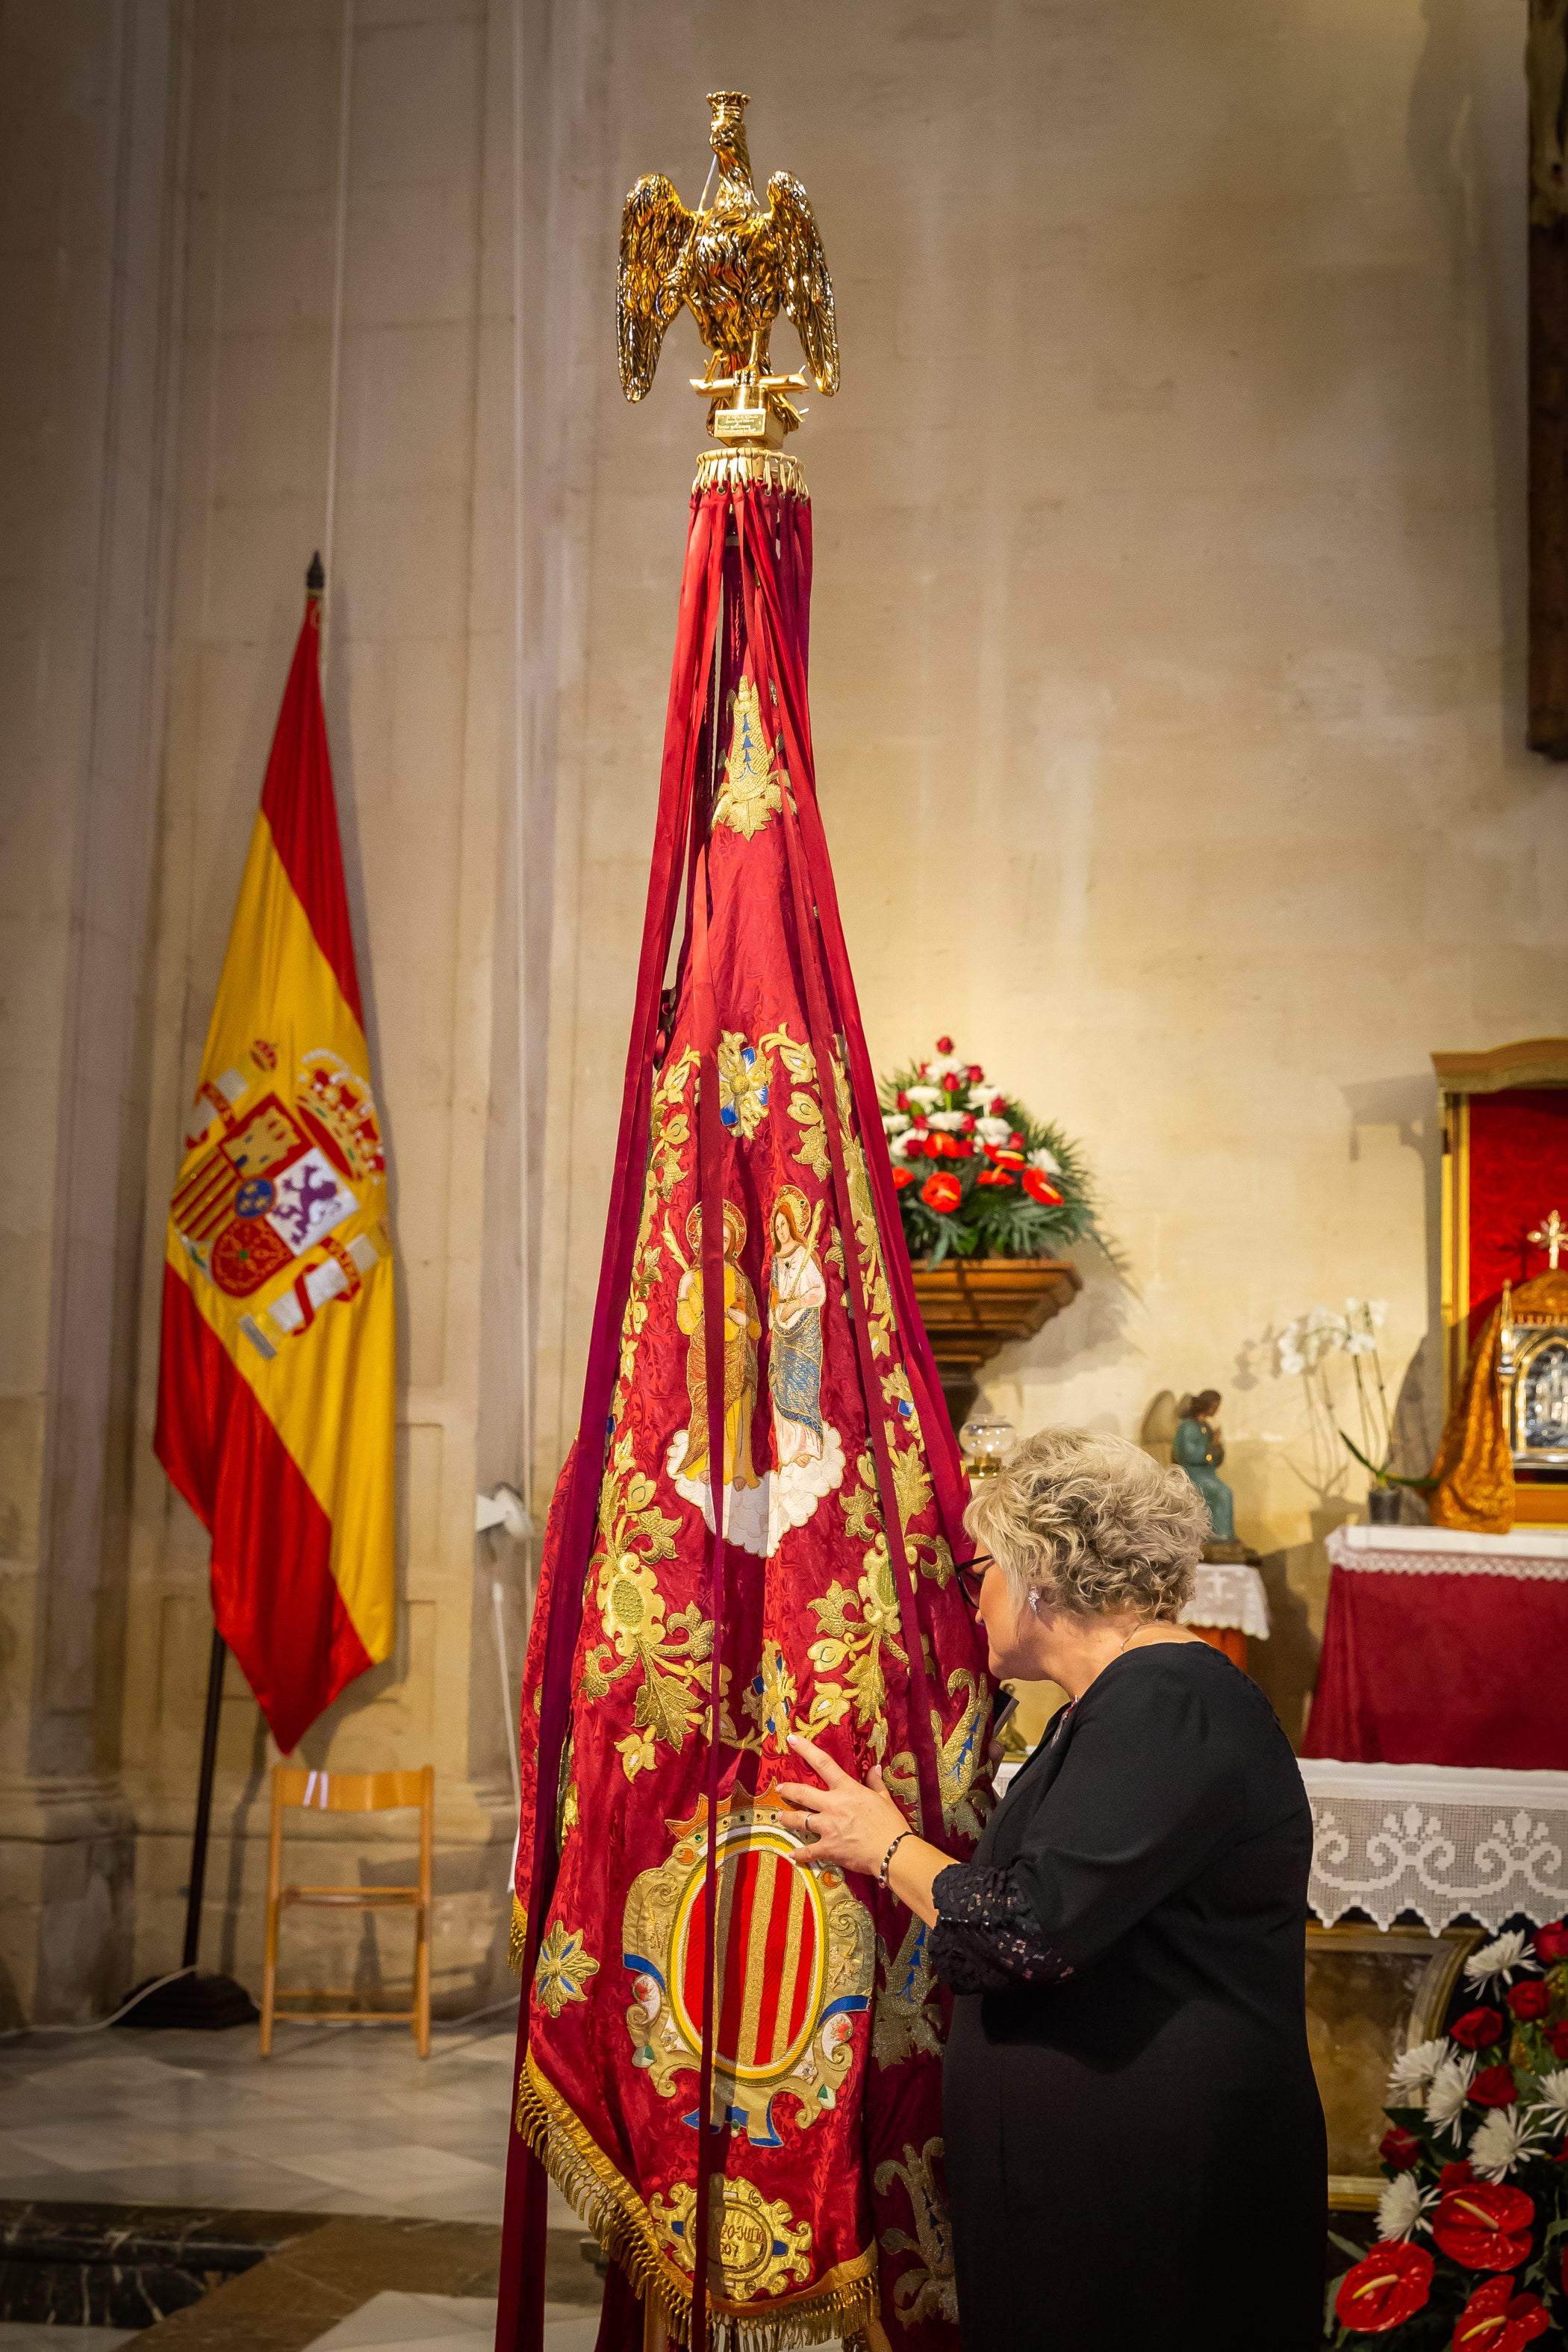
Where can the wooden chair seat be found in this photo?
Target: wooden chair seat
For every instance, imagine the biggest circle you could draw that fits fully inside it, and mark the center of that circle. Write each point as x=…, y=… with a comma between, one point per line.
x=349, y=1792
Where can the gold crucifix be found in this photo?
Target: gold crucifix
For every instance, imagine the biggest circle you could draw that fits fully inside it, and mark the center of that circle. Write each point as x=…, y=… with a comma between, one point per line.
x=1551, y=1235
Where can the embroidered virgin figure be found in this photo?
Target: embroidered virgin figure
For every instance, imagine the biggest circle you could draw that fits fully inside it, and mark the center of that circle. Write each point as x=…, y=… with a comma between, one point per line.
x=741, y=1331
x=796, y=1297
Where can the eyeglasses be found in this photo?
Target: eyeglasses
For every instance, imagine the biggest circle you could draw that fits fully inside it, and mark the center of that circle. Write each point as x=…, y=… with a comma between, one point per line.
x=971, y=1576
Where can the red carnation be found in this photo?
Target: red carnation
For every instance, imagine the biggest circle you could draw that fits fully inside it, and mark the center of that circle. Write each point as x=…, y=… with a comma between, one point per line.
x=900, y=1102
x=1039, y=1186
x=944, y=1044
x=951, y=1082
x=902, y=1176
x=1015, y=1140
x=1477, y=2029
x=976, y=1075
x=1558, y=2036
x=1387, y=2287
x=1485, y=2226
x=999, y=1107
x=1494, y=2086
x=1399, y=2148
x=970, y=1122
x=1495, y=2319
x=941, y=1192
x=1454, y=2175
x=1529, y=2000
x=920, y=1119
x=1551, y=1943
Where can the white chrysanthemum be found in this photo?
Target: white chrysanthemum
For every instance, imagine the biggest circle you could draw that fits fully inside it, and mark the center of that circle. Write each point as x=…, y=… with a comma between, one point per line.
x=1448, y=2091
x=1552, y=2094
x=1413, y=2070
x=1046, y=1159
x=895, y=1121
x=981, y=1098
x=952, y=1121
x=1402, y=2207
x=910, y=1141
x=1502, y=2138
x=925, y=1097
x=1498, y=1958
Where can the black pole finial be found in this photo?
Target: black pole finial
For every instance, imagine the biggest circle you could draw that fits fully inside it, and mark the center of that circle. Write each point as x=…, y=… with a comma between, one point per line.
x=316, y=578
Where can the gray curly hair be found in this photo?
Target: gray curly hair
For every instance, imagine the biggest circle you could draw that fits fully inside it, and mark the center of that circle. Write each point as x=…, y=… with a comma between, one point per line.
x=1091, y=1524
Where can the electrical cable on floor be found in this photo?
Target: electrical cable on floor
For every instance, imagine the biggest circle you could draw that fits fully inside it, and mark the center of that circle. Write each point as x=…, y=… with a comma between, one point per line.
x=97, y=2024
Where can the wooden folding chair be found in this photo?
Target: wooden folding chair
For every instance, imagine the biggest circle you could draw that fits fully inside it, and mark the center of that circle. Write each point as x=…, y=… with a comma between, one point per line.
x=350, y=1792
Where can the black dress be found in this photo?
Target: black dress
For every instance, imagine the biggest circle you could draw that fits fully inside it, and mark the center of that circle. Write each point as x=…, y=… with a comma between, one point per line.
x=1135, y=2147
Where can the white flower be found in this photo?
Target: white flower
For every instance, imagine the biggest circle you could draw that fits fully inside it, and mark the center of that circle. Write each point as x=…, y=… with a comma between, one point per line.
x=1448, y=2091
x=1402, y=2206
x=925, y=1097
x=1414, y=2069
x=1046, y=1159
x=1502, y=2138
x=911, y=1142
x=1498, y=1958
x=895, y=1121
x=981, y=1097
x=992, y=1130
x=950, y=1120
x=1291, y=1361
x=1553, y=2091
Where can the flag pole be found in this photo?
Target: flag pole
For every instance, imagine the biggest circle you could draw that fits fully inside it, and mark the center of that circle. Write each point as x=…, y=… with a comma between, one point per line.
x=204, y=1801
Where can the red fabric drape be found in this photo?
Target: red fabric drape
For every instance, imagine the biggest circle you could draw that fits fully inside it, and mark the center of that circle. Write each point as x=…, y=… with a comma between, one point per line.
x=739, y=1163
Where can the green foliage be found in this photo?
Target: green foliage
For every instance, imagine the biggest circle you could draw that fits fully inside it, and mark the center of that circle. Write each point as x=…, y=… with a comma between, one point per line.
x=991, y=1218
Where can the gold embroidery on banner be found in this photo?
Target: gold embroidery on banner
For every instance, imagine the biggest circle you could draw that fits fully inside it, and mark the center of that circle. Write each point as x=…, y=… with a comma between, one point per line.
x=906, y=2020
x=959, y=1758
x=563, y=1967
x=745, y=1076
x=633, y=1535
x=842, y=2303
x=762, y=2246
x=751, y=795
x=930, y=2291
x=669, y=1129
x=822, y=1974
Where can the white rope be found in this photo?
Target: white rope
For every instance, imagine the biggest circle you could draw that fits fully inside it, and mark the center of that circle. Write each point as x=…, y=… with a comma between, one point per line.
x=334, y=386
x=519, y=714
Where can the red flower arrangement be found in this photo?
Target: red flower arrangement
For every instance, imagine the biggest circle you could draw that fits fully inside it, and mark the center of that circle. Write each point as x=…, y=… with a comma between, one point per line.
x=1476, y=2162
x=1007, y=1184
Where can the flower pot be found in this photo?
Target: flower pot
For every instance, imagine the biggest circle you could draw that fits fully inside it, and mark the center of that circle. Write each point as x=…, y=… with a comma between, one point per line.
x=970, y=1307
x=1382, y=1507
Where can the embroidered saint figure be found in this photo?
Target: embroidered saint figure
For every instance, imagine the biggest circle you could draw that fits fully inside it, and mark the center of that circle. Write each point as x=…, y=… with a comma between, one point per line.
x=796, y=1297
x=742, y=1330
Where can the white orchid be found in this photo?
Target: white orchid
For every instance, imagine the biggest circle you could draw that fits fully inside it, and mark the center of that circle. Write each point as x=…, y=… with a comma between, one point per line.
x=1413, y=2070
x=1402, y=2207
x=925, y=1097
x=1502, y=2138
x=1553, y=2096
x=1448, y=2091
x=1498, y=1959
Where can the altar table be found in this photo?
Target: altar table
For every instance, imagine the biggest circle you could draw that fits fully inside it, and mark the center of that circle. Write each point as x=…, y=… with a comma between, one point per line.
x=1443, y=1648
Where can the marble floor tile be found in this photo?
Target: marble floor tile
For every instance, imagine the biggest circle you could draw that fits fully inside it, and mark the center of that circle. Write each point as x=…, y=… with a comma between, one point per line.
x=37, y=2335
x=447, y=2323
x=393, y=2172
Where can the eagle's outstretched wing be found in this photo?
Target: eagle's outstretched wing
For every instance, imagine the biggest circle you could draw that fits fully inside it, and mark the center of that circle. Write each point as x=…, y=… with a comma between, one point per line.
x=807, y=291
x=656, y=236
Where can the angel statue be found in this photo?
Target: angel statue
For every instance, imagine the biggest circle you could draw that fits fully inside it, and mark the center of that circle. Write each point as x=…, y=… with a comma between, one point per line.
x=735, y=267
x=1198, y=1449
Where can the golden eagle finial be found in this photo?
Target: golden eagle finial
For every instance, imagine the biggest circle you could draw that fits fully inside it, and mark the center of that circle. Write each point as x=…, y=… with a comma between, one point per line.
x=735, y=266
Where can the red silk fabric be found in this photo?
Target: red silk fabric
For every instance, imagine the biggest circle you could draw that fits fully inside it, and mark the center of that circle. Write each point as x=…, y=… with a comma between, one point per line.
x=755, y=1316
x=1455, y=1668
x=1519, y=1172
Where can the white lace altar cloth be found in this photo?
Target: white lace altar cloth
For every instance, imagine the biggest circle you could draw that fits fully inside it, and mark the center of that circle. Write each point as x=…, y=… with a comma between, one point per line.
x=1443, y=1841
x=1229, y=1592
x=1535, y=1553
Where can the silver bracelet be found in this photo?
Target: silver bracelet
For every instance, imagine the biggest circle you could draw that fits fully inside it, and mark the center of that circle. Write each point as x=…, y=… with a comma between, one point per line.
x=887, y=1858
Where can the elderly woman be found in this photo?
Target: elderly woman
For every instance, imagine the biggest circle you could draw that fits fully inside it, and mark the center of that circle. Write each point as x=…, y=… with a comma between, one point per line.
x=1135, y=2148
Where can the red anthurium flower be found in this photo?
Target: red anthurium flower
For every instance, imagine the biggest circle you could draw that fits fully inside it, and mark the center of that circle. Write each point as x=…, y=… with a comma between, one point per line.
x=1551, y=1943
x=1485, y=2225
x=900, y=1102
x=1039, y=1187
x=1477, y=2029
x=941, y=1146
x=1385, y=2289
x=902, y=1176
x=941, y=1192
x=1529, y=2000
x=1558, y=2037
x=1494, y=2086
x=944, y=1045
x=1399, y=2148
x=1001, y=1176
x=1495, y=2319
x=1003, y=1157
x=1453, y=2175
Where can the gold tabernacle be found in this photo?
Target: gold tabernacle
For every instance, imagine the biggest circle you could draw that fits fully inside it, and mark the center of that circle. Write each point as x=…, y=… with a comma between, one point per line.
x=735, y=267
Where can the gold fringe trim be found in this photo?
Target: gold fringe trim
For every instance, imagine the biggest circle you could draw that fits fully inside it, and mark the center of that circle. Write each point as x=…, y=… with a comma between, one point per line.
x=742, y=468
x=517, y=1942
x=844, y=2303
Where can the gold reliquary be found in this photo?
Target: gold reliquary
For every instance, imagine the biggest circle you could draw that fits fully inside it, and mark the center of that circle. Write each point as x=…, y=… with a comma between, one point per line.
x=1532, y=1375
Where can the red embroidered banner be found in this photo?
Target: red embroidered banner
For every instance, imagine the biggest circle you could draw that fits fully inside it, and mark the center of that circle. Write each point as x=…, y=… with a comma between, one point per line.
x=754, y=1333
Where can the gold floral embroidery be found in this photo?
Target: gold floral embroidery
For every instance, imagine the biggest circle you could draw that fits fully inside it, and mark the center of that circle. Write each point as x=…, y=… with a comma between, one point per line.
x=563, y=1967
x=745, y=1076
x=928, y=2291
x=669, y=1131
x=907, y=2020
x=959, y=1758
x=751, y=794
x=634, y=1535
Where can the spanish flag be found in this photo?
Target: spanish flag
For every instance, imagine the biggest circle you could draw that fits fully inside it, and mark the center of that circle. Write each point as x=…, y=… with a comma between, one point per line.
x=276, y=1384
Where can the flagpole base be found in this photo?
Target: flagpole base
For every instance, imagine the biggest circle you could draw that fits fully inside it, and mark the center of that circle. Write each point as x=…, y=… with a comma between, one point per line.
x=204, y=2004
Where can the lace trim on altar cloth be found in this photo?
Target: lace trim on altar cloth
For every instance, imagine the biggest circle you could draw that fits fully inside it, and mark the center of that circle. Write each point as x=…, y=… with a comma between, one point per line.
x=987, y=1937
x=1228, y=1593
x=1347, y=1548
x=1392, y=1838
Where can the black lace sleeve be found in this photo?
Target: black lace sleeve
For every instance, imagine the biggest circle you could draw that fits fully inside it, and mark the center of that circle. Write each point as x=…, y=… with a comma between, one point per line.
x=987, y=1937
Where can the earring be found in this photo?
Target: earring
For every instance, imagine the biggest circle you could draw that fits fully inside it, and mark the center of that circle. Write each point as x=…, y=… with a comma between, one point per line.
x=1035, y=1601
